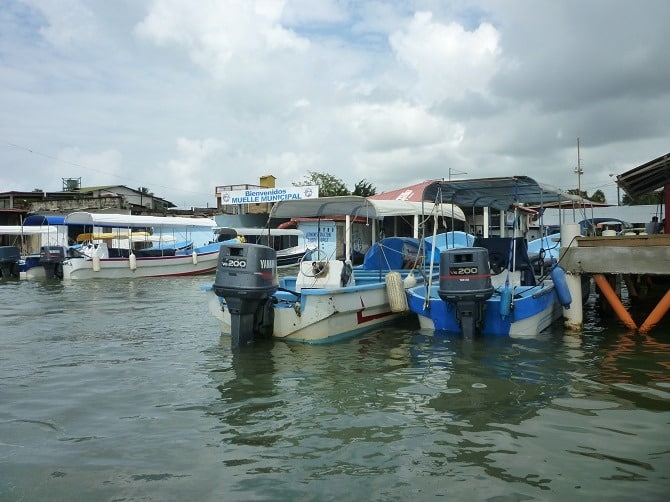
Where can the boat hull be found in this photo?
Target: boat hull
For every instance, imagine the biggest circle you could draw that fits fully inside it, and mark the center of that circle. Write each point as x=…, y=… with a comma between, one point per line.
x=117, y=268
x=321, y=315
x=535, y=308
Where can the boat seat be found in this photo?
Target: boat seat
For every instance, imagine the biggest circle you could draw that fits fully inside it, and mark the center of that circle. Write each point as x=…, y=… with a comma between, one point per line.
x=326, y=274
x=500, y=248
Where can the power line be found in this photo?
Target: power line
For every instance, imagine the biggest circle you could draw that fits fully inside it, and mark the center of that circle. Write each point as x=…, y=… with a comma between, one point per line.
x=75, y=164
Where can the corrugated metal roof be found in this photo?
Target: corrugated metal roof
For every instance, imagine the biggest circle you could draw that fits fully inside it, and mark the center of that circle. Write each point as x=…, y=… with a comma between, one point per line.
x=646, y=178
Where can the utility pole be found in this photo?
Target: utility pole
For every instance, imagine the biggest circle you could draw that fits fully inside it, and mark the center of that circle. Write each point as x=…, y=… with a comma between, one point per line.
x=579, y=171
x=618, y=194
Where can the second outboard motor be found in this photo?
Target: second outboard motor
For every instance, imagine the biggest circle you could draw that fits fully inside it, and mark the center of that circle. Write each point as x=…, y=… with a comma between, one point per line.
x=9, y=262
x=465, y=280
x=246, y=278
x=52, y=258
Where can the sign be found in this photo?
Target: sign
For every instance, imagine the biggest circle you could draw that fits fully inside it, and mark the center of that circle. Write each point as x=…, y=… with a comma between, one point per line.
x=262, y=195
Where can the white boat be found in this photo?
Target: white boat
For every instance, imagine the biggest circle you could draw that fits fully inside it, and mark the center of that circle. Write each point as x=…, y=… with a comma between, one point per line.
x=290, y=243
x=328, y=299
x=37, y=232
x=99, y=260
x=490, y=287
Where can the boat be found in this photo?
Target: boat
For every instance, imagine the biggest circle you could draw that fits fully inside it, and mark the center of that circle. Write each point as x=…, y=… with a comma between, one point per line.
x=9, y=262
x=290, y=243
x=329, y=298
x=116, y=246
x=491, y=287
x=31, y=238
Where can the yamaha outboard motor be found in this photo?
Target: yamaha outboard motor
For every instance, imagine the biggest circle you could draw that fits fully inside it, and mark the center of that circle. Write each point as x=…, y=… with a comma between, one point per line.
x=246, y=278
x=465, y=280
x=52, y=258
x=9, y=262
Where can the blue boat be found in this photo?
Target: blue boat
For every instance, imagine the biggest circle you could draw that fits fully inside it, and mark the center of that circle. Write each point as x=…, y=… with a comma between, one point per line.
x=490, y=287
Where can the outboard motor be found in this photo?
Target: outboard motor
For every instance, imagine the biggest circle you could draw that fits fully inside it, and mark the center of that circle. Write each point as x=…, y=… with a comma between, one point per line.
x=52, y=258
x=465, y=279
x=246, y=278
x=9, y=262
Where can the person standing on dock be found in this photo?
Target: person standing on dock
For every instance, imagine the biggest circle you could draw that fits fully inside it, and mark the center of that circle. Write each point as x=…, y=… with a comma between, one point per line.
x=652, y=226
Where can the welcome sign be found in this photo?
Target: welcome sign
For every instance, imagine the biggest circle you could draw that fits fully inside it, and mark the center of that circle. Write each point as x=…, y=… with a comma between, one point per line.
x=261, y=195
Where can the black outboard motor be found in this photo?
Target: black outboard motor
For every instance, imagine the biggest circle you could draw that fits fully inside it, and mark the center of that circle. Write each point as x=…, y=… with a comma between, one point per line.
x=465, y=279
x=52, y=258
x=246, y=278
x=9, y=262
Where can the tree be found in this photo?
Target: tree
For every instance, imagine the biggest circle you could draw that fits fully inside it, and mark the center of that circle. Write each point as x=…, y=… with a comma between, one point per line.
x=647, y=198
x=144, y=190
x=364, y=189
x=328, y=184
x=599, y=196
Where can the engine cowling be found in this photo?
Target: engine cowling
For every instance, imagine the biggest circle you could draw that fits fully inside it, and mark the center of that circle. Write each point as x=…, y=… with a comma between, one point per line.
x=246, y=278
x=465, y=280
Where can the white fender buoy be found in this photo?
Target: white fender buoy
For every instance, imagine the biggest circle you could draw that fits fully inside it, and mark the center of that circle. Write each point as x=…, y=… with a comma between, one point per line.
x=410, y=280
x=195, y=257
x=96, y=262
x=396, y=292
x=132, y=261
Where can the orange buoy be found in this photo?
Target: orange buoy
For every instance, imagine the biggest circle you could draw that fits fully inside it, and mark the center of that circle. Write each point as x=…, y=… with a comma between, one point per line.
x=614, y=301
x=657, y=314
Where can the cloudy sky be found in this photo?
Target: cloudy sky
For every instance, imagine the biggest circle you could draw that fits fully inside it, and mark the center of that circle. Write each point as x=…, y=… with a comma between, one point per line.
x=180, y=96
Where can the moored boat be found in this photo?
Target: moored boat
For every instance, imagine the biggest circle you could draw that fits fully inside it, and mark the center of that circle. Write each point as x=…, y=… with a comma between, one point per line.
x=491, y=288
x=329, y=299
x=98, y=260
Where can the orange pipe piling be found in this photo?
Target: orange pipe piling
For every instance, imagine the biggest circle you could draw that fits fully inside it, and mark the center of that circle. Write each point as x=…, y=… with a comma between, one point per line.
x=657, y=314
x=614, y=301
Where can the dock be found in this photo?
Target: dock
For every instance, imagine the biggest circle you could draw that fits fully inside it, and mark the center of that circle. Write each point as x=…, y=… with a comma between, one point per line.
x=613, y=260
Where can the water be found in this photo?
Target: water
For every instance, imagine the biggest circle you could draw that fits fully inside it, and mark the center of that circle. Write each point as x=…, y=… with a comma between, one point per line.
x=124, y=390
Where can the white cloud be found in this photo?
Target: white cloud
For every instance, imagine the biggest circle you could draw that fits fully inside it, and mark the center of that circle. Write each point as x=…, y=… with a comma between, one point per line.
x=394, y=92
x=449, y=61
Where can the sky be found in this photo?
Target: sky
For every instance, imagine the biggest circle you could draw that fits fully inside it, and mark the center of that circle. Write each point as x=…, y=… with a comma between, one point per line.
x=181, y=96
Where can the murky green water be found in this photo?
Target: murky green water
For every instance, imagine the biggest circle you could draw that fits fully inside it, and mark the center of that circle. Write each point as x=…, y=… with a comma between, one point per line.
x=124, y=390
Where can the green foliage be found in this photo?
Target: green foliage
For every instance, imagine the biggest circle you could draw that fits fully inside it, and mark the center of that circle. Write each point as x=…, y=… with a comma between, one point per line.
x=364, y=189
x=648, y=198
x=328, y=184
x=598, y=196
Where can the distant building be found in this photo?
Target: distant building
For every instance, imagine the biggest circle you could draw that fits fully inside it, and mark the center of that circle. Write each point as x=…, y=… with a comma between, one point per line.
x=14, y=205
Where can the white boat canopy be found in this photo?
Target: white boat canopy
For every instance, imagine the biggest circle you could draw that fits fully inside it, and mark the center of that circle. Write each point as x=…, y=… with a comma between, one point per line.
x=356, y=206
x=20, y=230
x=136, y=221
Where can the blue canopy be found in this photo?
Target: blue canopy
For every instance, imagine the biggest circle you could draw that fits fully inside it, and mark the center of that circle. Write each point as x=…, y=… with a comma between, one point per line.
x=36, y=220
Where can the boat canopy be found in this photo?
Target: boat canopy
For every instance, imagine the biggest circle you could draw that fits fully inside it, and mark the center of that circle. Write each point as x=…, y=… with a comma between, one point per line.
x=135, y=221
x=497, y=193
x=357, y=206
x=19, y=230
x=36, y=220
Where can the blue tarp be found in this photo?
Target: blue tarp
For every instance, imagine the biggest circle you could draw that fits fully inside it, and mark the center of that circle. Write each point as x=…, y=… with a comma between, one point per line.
x=395, y=253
